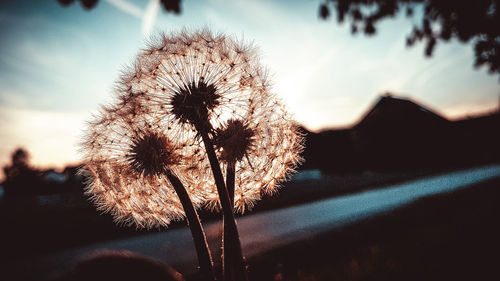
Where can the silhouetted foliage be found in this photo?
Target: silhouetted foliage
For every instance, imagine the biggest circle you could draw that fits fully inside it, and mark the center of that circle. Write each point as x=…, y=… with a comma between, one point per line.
x=172, y=6
x=86, y=4
x=20, y=177
x=477, y=21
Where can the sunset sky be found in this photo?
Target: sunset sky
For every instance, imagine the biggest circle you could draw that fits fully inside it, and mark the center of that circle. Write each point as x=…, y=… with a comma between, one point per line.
x=58, y=64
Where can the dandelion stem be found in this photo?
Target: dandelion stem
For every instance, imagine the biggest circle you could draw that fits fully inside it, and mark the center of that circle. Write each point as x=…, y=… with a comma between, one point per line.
x=228, y=255
x=199, y=238
x=233, y=240
x=230, y=177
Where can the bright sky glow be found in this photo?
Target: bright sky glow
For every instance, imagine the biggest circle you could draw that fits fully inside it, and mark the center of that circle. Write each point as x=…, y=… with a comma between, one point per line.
x=57, y=64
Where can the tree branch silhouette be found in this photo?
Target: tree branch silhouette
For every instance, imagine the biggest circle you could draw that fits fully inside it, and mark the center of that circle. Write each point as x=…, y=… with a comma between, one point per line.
x=441, y=20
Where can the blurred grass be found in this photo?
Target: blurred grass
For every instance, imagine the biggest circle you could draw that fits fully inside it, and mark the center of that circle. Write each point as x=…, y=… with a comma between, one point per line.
x=39, y=230
x=30, y=229
x=453, y=236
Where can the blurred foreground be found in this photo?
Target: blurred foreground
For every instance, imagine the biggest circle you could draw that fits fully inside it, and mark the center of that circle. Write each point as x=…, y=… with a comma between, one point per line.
x=453, y=236
x=268, y=231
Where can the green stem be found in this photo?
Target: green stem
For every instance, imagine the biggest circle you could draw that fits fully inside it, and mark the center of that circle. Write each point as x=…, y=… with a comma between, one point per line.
x=199, y=238
x=227, y=210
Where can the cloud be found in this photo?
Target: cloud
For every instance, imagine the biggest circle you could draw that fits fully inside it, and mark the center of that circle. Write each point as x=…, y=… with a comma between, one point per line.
x=149, y=16
x=47, y=65
x=50, y=137
x=127, y=7
x=469, y=109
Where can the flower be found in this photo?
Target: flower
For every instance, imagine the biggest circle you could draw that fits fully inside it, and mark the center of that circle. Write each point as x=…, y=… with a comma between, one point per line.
x=128, y=155
x=186, y=84
x=264, y=148
x=234, y=139
x=205, y=82
x=196, y=80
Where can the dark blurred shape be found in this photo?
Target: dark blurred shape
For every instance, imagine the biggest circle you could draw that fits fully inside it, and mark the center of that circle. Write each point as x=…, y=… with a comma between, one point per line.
x=65, y=2
x=477, y=21
x=20, y=178
x=120, y=265
x=25, y=185
x=20, y=158
x=172, y=6
x=88, y=4
x=398, y=134
x=324, y=12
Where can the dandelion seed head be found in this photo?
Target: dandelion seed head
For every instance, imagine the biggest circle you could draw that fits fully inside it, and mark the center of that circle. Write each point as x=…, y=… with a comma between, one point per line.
x=200, y=79
x=152, y=154
x=233, y=139
x=272, y=146
x=194, y=103
x=203, y=81
x=180, y=85
x=127, y=158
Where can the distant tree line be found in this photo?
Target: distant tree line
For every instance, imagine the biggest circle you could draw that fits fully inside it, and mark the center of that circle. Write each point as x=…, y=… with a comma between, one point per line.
x=24, y=182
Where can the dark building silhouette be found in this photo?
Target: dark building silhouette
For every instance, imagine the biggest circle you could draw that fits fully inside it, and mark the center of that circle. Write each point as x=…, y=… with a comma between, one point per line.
x=400, y=134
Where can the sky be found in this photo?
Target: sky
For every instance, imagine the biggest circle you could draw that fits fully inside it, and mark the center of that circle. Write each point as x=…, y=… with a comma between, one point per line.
x=58, y=64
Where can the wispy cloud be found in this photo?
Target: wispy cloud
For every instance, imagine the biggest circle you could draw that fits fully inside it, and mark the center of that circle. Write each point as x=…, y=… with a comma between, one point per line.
x=149, y=17
x=127, y=7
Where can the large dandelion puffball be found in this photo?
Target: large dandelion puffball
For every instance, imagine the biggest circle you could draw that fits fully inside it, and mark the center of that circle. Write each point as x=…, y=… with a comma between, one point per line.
x=183, y=86
x=200, y=81
x=196, y=80
x=128, y=154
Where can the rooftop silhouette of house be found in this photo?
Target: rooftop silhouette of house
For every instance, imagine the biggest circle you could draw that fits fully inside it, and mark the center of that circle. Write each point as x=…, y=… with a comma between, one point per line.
x=390, y=111
x=397, y=133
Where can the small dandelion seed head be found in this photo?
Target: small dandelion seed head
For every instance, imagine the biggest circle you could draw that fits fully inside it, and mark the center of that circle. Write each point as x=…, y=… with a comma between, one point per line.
x=272, y=152
x=127, y=157
x=152, y=154
x=234, y=140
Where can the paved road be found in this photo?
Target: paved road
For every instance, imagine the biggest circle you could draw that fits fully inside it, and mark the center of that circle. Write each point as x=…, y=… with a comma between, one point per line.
x=263, y=231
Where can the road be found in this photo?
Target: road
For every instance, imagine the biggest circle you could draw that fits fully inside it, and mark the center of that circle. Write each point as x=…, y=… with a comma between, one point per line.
x=263, y=231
